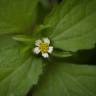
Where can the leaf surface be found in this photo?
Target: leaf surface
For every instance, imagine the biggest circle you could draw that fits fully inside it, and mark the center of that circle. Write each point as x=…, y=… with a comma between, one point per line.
x=18, y=73
x=62, y=79
x=73, y=25
x=17, y=15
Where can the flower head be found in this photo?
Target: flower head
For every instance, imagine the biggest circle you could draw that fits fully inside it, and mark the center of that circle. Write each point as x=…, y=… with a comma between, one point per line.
x=43, y=47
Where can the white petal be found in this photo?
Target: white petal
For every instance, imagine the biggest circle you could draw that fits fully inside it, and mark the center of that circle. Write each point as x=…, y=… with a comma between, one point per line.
x=50, y=49
x=36, y=50
x=46, y=40
x=45, y=55
x=37, y=42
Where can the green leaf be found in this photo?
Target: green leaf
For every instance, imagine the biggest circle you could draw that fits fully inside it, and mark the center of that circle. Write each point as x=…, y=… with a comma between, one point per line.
x=18, y=73
x=60, y=53
x=67, y=80
x=17, y=15
x=73, y=25
x=24, y=38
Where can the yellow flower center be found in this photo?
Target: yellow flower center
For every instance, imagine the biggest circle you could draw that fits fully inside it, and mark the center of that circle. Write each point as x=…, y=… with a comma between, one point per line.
x=43, y=47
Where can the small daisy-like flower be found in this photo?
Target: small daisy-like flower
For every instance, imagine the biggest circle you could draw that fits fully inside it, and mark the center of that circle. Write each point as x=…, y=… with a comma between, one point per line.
x=43, y=47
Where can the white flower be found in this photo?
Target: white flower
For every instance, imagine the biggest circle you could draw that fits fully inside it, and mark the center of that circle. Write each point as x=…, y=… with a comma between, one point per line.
x=43, y=47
